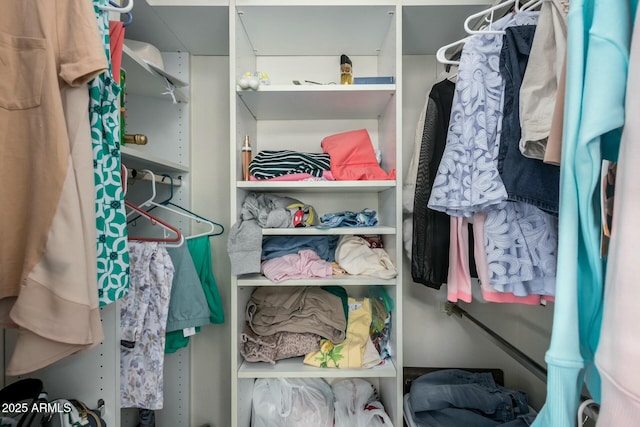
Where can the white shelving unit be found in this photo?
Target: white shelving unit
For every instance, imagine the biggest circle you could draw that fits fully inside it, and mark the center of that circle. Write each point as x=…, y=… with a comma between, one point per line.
x=291, y=40
x=307, y=46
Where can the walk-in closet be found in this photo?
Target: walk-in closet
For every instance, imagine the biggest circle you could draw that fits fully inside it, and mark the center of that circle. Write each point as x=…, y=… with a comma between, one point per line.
x=237, y=213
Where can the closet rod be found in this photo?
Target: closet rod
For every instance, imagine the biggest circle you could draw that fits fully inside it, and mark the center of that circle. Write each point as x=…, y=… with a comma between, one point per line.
x=590, y=410
x=133, y=174
x=530, y=364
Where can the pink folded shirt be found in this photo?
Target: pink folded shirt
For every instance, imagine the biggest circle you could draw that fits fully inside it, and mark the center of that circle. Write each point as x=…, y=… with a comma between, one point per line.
x=302, y=265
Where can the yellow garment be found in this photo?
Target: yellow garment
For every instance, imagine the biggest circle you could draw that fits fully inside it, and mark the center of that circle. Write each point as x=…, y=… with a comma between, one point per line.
x=349, y=353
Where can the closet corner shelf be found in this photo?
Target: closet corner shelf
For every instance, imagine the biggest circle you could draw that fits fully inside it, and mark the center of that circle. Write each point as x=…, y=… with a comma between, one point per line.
x=317, y=102
x=138, y=159
x=144, y=80
x=317, y=186
x=311, y=231
x=345, y=280
x=295, y=368
x=429, y=24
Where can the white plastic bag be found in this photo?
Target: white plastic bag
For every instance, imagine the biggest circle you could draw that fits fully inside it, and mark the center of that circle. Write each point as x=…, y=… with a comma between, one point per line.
x=357, y=405
x=292, y=402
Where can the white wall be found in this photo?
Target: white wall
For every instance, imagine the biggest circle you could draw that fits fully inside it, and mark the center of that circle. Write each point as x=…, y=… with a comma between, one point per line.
x=431, y=338
x=210, y=353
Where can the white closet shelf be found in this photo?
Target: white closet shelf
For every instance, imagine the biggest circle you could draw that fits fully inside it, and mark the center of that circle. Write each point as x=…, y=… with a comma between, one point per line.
x=295, y=368
x=322, y=102
x=144, y=80
x=200, y=27
x=139, y=159
x=429, y=24
x=305, y=28
x=317, y=186
x=311, y=231
x=345, y=280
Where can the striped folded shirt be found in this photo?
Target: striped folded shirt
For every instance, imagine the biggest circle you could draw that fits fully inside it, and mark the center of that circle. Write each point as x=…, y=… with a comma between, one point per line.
x=273, y=163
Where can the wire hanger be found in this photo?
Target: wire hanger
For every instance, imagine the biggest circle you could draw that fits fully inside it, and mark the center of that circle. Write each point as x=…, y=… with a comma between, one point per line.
x=168, y=241
x=199, y=217
x=119, y=9
x=490, y=11
x=183, y=212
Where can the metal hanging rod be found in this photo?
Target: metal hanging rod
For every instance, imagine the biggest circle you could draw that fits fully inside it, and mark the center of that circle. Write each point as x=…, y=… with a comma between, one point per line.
x=590, y=409
x=134, y=174
x=532, y=366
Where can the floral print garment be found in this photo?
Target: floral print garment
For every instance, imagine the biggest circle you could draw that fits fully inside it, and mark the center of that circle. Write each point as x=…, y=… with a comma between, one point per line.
x=350, y=352
x=521, y=242
x=143, y=319
x=111, y=220
x=468, y=180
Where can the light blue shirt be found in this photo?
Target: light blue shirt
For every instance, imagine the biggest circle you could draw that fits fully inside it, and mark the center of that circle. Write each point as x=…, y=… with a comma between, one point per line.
x=597, y=64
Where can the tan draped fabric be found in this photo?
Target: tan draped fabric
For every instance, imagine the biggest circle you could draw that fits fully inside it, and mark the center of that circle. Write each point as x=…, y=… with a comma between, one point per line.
x=47, y=252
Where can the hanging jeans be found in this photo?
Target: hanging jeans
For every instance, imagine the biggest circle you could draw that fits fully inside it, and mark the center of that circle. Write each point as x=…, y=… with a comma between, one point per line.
x=526, y=180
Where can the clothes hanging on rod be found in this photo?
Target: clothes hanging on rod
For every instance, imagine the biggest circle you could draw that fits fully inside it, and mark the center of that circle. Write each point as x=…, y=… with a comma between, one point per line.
x=596, y=70
x=527, y=180
x=113, y=257
x=188, y=306
x=540, y=83
x=618, y=352
x=143, y=318
x=469, y=186
x=200, y=250
x=50, y=225
x=430, y=229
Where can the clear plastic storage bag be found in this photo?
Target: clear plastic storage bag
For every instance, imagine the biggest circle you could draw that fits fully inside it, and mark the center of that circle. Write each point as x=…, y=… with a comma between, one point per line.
x=292, y=402
x=357, y=405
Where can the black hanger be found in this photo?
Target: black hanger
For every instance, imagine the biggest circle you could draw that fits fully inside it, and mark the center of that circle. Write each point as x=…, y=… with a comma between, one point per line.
x=169, y=202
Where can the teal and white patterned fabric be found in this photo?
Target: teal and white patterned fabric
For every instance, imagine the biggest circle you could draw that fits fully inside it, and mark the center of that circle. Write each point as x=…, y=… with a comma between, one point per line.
x=111, y=221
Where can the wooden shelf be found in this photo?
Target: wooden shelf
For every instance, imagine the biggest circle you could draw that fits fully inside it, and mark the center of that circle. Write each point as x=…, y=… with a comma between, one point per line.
x=291, y=102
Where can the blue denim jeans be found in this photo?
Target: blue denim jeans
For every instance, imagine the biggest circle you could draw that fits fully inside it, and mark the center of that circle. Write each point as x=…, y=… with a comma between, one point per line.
x=526, y=180
x=454, y=417
x=364, y=218
x=277, y=246
x=454, y=397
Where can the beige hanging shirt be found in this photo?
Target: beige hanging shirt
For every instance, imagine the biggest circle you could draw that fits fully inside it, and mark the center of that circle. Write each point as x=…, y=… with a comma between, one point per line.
x=46, y=283
x=539, y=88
